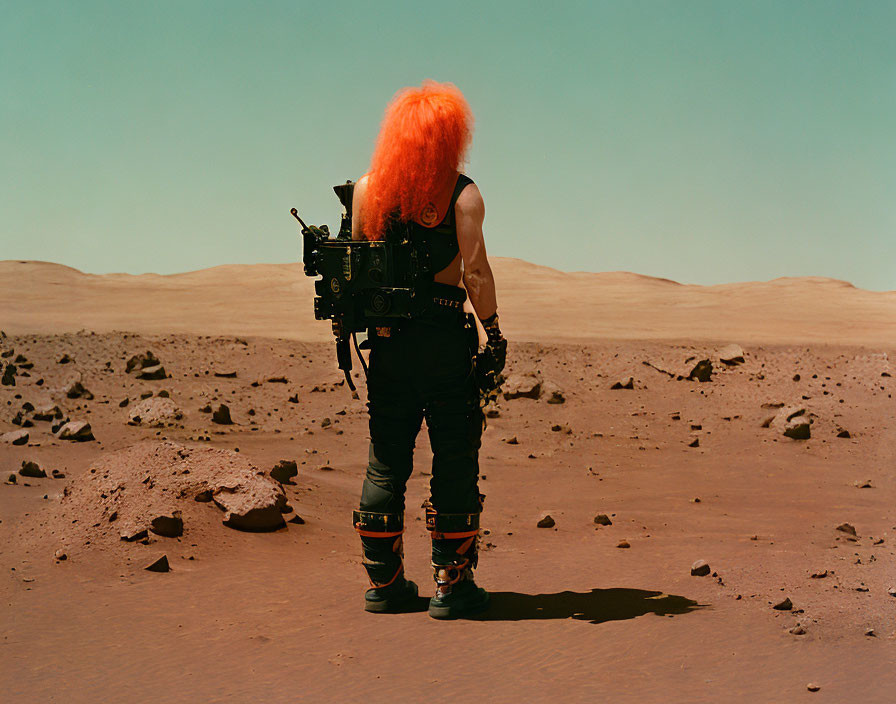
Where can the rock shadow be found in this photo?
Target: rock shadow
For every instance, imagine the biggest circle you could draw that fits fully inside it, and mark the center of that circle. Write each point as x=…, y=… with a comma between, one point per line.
x=596, y=606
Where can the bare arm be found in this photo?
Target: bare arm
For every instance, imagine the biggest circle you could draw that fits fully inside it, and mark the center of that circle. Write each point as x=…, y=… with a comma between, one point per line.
x=358, y=196
x=478, y=279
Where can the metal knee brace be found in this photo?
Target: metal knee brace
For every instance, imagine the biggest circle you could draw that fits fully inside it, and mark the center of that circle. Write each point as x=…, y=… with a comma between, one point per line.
x=381, y=543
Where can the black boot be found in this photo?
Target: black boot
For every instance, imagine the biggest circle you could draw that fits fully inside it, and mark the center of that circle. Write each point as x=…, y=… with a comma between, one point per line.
x=454, y=557
x=381, y=542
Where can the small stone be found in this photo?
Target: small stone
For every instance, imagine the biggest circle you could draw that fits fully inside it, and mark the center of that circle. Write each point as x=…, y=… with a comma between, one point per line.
x=284, y=471
x=32, y=469
x=229, y=374
x=819, y=575
x=221, y=416
x=626, y=382
x=785, y=605
x=863, y=484
x=159, y=565
x=702, y=371
x=124, y=402
x=47, y=412
x=523, y=386
x=60, y=555
x=78, y=431
x=64, y=359
x=546, y=522
x=297, y=519
x=700, y=568
x=812, y=687
x=798, y=630
x=847, y=528
x=731, y=354
x=11, y=479
x=623, y=544
x=153, y=373
x=16, y=437
x=326, y=423
x=512, y=440
x=77, y=390
x=871, y=633
x=168, y=526
x=205, y=409
x=844, y=434
x=602, y=519
x=694, y=443
x=892, y=591
x=141, y=361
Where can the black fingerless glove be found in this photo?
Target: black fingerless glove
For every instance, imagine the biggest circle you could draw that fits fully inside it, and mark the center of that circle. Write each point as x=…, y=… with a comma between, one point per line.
x=490, y=361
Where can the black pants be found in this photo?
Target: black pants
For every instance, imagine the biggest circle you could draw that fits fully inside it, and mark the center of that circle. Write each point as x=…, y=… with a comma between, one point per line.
x=422, y=369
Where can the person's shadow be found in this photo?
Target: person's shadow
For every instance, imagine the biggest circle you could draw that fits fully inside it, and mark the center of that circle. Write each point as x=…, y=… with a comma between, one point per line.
x=596, y=606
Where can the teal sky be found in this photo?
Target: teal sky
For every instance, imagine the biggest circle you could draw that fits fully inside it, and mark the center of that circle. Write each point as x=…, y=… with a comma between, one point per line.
x=705, y=142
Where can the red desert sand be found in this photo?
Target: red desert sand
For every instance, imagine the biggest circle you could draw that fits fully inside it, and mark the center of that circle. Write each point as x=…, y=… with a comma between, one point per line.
x=690, y=496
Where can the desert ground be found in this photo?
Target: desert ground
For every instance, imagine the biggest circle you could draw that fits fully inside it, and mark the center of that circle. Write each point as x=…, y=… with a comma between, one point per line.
x=750, y=426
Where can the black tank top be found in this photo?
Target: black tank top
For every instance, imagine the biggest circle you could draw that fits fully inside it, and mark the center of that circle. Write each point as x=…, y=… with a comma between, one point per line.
x=442, y=238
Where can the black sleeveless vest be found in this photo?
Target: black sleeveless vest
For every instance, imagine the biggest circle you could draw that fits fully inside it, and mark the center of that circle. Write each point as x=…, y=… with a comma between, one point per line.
x=442, y=239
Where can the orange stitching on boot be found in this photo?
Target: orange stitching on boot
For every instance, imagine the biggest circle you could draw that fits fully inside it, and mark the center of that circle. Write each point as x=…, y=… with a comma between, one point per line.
x=437, y=535
x=376, y=534
x=466, y=545
x=395, y=576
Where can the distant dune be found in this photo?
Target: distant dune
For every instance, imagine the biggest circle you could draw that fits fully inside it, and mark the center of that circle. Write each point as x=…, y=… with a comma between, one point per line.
x=536, y=303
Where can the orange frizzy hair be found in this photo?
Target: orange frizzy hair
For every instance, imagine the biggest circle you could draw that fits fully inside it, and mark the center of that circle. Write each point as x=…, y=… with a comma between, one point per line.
x=422, y=143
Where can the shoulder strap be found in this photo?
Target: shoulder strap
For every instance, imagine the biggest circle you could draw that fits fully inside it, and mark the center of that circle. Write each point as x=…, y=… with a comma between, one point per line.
x=462, y=182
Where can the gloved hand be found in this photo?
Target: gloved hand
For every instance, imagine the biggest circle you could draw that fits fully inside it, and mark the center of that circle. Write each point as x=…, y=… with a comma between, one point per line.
x=490, y=362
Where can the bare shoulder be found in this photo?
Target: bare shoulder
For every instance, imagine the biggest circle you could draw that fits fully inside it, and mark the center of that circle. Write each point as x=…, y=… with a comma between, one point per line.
x=361, y=184
x=470, y=203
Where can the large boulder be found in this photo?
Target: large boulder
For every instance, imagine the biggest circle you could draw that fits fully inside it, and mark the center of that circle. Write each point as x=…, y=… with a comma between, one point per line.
x=793, y=422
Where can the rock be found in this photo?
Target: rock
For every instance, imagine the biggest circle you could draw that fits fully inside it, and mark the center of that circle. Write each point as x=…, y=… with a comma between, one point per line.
x=78, y=431
x=326, y=423
x=284, y=471
x=866, y=484
x=32, y=469
x=844, y=434
x=731, y=354
x=554, y=393
x=812, y=687
x=168, y=526
x=156, y=412
x=278, y=380
x=159, y=565
x=229, y=374
x=58, y=475
x=892, y=591
x=124, y=402
x=626, y=382
x=142, y=361
x=145, y=394
x=152, y=373
x=871, y=633
x=623, y=544
x=694, y=443
x=9, y=375
x=512, y=440
x=819, y=575
x=254, y=508
x=493, y=413
x=47, y=412
x=60, y=555
x=77, y=390
x=523, y=386
x=798, y=429
x=546, y=522
x=206, y=409
x=297, y=519
x=848, y=528
x=16, y=437
x=700, y=568
x=602, y=519
x=11, y=479
x=221, y=416
x=702, y=371
x=785, y=605
x=132, y=533
x=798, y=630
x=64, y=359
x=164, y=394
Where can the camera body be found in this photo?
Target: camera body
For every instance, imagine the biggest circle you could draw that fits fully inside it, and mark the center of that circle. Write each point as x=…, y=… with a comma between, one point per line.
x=364, y=283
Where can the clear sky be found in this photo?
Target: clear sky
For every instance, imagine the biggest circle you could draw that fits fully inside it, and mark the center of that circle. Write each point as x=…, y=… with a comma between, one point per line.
x=706, y=142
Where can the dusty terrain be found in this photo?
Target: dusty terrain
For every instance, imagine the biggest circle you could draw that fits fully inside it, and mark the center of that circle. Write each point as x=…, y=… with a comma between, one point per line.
x=576, y=615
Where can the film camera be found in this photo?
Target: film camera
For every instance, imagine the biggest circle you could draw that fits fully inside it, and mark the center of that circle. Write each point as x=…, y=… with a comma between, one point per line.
x=363, y=283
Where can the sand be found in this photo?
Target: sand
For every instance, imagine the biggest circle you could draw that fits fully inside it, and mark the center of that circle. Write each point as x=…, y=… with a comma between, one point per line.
x=278, y=615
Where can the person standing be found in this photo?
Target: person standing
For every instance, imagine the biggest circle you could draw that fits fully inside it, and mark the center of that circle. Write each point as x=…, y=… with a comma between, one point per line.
x=428, y=367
